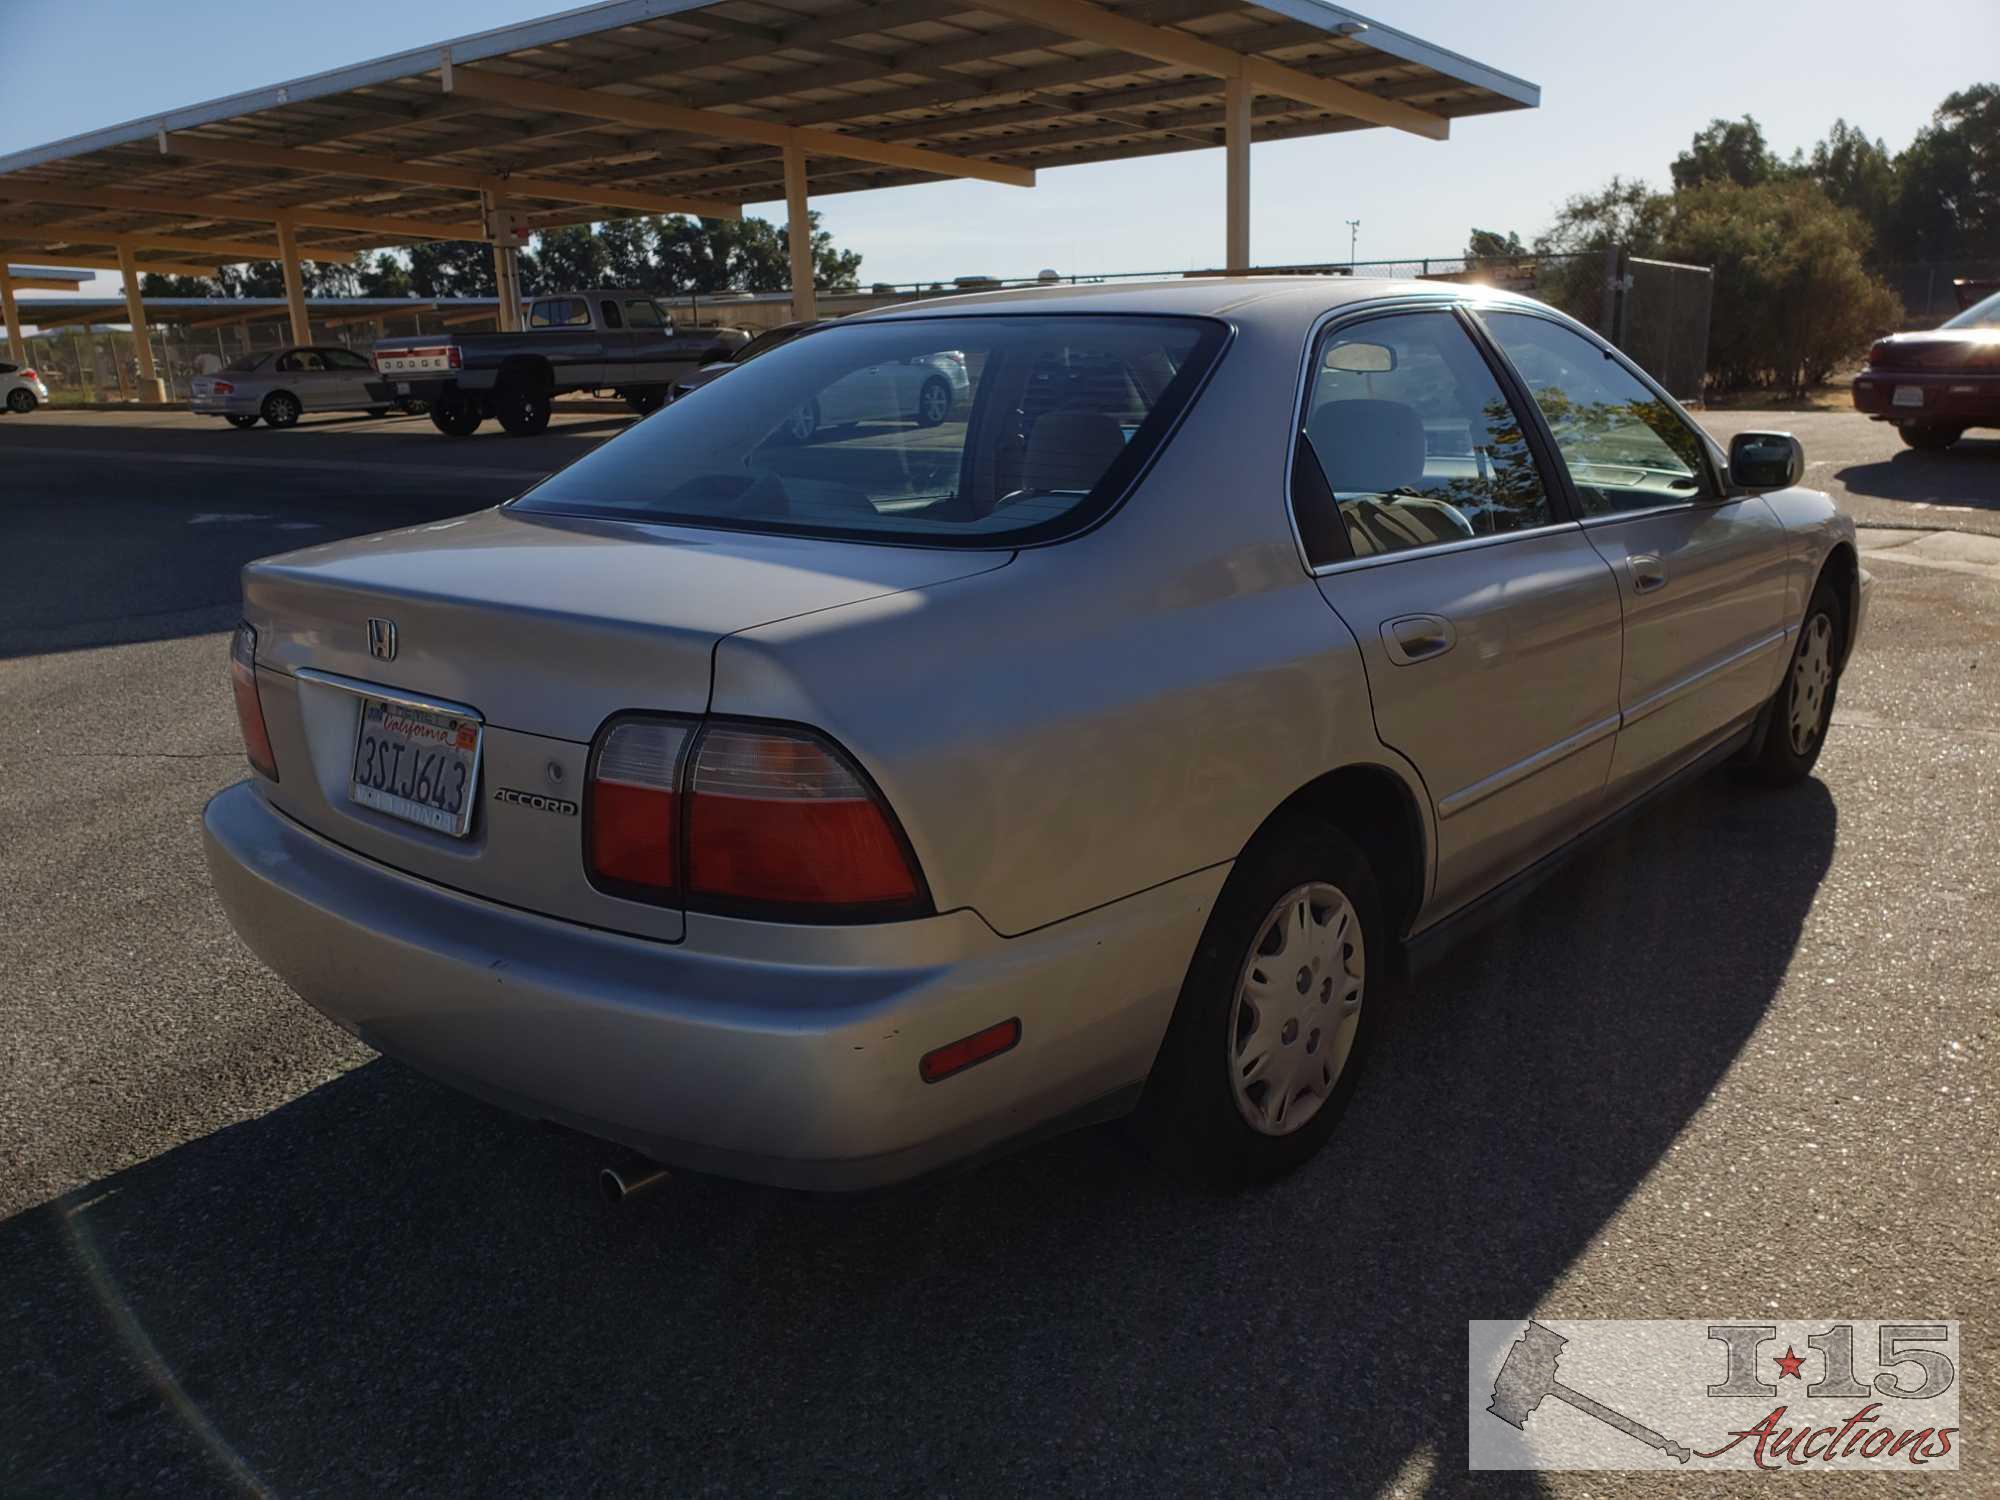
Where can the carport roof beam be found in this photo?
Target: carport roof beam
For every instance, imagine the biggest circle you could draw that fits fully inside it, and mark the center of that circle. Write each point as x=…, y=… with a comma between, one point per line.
x=115, y=263
x=236, y=211
x=503, y=88
x=47, y=235
x=1167, y=44
x=387, y=169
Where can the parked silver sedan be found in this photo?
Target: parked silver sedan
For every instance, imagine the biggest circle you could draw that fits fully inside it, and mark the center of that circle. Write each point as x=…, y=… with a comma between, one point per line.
x=278, y=386
x=826, y=811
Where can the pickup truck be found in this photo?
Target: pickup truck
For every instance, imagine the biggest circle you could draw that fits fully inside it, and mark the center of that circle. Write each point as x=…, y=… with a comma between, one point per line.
x=577, y=341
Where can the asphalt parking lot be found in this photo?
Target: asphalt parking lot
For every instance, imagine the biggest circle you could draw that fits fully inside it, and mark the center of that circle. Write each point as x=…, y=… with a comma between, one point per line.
x=1740, y=1060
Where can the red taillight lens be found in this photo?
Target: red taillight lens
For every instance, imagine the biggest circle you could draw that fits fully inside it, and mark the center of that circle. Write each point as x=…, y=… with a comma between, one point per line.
x=453, y=358
x=30, y=375
x=633, y=824
x=1878, y=353
x=224, y=388
x=744, y=820
x=779, y=819
x=249, y=708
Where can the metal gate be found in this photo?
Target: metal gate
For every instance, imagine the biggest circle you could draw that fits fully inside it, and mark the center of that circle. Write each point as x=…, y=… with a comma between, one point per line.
x=1658, y=312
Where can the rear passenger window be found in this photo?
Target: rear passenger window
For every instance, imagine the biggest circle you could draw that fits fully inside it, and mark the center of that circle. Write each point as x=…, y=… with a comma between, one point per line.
x=1415, y=440
x=611, y=317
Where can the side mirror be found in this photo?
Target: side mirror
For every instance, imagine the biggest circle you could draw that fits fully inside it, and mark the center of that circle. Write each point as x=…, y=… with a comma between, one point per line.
x=1766, y=461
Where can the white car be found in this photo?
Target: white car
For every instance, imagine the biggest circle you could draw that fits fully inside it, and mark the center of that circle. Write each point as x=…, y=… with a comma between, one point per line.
x=21, y=389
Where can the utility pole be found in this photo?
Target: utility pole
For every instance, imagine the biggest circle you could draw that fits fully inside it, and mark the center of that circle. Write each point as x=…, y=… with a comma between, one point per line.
x=1353, y=234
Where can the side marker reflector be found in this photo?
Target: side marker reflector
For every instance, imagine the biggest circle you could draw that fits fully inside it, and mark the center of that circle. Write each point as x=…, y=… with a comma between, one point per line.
x=963, y=1053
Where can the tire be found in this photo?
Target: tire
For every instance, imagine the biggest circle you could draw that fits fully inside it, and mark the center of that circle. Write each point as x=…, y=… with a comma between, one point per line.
x=934, y=402
x=1229, y=1133
x=646, y=399
x=21, y=401
x=457, y=417
x=281, y=409
x=523, y=410
x=243, y=423
x=1796, y=720
x=1929, y=437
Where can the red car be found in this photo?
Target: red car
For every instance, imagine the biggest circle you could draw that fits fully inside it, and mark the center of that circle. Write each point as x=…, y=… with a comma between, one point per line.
x=1935, y=384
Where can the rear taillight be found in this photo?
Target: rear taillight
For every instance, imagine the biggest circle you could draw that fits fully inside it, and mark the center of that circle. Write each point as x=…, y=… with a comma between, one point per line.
x=223, y=388
x=1879, y=354
x=30, y=375
x=249, y=707
x=632, y=810
x=746, y=820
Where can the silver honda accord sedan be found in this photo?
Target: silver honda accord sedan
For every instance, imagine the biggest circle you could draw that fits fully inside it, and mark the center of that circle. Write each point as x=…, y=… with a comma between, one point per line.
x=825, y=809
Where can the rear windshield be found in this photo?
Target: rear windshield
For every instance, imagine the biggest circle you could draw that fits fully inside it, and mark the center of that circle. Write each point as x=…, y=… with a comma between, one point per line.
x=974, y=431
x=1980, y=315
x=247, y=363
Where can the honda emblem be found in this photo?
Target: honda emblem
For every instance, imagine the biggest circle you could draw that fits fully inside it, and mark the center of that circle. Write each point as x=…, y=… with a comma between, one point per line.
x=382, y=639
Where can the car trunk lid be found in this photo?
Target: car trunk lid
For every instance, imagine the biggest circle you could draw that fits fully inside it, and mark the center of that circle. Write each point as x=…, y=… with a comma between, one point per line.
x=541, y=628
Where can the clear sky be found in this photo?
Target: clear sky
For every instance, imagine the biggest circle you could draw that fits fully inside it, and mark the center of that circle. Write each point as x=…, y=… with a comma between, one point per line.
x=1623, y=87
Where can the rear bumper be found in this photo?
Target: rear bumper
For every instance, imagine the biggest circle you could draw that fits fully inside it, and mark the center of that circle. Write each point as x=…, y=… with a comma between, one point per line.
x=785, y=1055
x=1948, y=396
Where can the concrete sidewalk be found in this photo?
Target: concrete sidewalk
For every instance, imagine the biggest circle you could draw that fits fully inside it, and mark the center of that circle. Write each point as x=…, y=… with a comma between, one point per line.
x=1951, y=551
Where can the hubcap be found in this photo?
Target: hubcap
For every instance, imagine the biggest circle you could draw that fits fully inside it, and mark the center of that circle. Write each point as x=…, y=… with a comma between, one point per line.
x=1812, y=676
x=935, y=400
x=1297, y=1008
x=803, y=422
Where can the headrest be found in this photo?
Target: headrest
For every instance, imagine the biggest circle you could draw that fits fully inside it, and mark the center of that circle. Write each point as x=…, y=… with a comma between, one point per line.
x=1070, y=450
x=1368, y=447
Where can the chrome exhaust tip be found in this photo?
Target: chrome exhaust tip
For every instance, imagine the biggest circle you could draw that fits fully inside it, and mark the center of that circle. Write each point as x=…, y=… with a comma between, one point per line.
x=619, y=1183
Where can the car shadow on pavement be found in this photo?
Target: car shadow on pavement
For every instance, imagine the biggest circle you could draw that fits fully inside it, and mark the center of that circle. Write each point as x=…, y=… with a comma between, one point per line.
x=1967, y=473
x=383, y=1286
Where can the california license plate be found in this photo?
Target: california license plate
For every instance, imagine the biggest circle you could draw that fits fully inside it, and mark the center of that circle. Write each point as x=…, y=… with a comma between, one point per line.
x=416, y=764
x=1909, y=395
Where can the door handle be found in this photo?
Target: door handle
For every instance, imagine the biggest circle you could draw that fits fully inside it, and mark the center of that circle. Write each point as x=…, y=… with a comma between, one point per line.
x=1648, y=572
x=1413, y=638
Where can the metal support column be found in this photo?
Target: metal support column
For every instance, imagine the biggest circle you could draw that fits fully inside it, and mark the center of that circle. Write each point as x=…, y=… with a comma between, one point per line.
x=295, y=282
x=1236, y=158
x=17, y=347
x=805, y=301
x=150, y=387
x=506, y=260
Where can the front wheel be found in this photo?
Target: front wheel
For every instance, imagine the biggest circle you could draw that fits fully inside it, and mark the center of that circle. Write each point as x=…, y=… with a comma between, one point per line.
x=1267, y=1041
x=1797, y=718
x=243, y=423
x=1929, y=437
x=20, y=401
x=934, y=402
x=457, y=417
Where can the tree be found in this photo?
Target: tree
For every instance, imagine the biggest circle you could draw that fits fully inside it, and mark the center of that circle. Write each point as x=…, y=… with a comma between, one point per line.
x=1793, y=296
x=452, y=268
x=567, y=259
x=1489, y=244
x=386, y=276
x=1948, y=188
x=1856, y=173
x=1727, y=151
x=153, y=284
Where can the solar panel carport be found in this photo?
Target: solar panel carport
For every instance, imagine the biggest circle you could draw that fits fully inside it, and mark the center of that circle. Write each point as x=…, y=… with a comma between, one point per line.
x=677, y=106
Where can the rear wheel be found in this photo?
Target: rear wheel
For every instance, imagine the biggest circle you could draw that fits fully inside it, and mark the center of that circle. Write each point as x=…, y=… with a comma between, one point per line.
x=244, y=422
x=1929, y=437
x=934, y=402
x=1267, y=1040
x=522, y=409
x=1799, y=713
x=803, y=422
x=281, y=409
x=456, y=416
